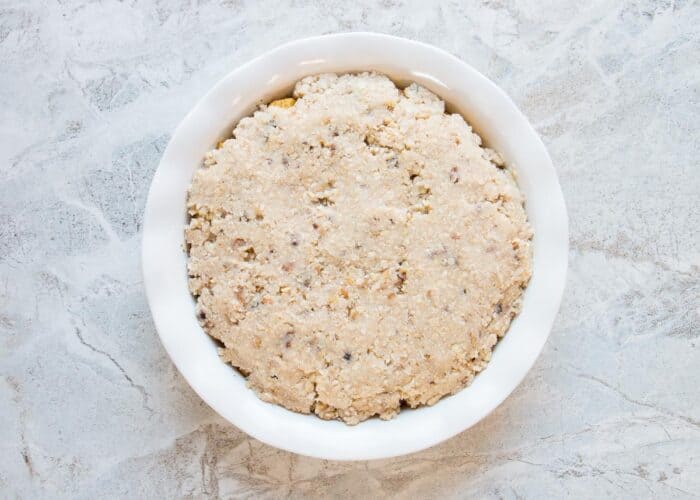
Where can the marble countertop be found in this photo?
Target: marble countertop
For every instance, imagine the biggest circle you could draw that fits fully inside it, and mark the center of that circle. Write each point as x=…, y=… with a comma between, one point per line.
x=91, y=406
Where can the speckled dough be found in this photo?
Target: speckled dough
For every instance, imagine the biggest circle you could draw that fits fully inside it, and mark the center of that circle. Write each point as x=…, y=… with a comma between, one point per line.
x=356, y=250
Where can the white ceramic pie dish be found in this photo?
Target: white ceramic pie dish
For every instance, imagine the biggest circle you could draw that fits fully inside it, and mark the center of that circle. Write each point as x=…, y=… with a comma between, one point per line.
x=502, y=126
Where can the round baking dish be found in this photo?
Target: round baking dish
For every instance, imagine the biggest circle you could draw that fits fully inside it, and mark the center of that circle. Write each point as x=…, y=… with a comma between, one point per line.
x=502, y=126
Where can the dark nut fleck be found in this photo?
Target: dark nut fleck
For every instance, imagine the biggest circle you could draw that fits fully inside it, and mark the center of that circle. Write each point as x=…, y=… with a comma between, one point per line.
x=249, y=254
x=400, y=280
x=324, y=201
x=347, y=356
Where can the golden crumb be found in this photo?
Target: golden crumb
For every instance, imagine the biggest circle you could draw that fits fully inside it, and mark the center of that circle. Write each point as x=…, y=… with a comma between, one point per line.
x=287, y=102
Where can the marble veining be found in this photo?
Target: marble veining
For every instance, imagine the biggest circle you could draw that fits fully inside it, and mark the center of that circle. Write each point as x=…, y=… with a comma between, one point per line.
x=91, y=406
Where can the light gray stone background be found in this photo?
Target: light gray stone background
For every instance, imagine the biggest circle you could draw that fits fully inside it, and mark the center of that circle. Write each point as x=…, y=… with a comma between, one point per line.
x=91, y=406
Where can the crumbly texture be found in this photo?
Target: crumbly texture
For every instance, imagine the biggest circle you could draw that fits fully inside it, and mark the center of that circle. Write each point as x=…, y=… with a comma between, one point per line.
x=355, y=249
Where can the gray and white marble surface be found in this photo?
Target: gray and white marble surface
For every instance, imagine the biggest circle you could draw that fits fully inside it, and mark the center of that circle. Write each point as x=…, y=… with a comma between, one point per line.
x=91, y=406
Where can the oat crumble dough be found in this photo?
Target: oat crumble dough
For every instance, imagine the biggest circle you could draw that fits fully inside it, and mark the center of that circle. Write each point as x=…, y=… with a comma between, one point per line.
x=356, y=250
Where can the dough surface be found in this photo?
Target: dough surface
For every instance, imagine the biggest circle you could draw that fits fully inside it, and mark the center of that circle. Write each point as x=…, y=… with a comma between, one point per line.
x=355, y=249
